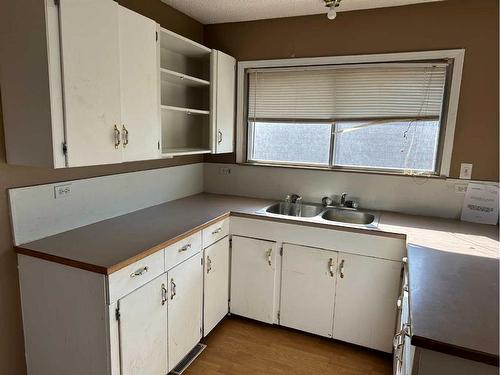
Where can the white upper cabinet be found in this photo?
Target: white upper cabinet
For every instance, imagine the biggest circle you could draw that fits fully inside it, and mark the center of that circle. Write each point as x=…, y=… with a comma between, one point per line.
x=223, y=102
x=253, y=279
x=91, y=80
x=365, y=301
x=308, y=289
x=140, y=117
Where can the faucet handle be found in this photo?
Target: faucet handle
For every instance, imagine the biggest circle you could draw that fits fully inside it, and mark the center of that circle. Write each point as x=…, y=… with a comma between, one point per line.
x=327, y=201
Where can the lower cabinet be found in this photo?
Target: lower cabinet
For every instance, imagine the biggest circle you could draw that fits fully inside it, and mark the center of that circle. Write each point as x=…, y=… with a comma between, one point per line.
x=365, y=301
x=308, y=278
x=184, y=308
x=143, y=329
x=216, y=284
x=253, y=278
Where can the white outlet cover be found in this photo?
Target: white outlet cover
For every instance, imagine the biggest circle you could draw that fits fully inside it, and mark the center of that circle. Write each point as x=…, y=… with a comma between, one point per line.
x=465, y=171
x=62, y=191
x=460, y=188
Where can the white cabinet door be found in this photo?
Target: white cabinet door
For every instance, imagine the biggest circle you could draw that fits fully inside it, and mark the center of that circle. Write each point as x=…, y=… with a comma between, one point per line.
x=140, y=119
x=184, y=309
x=91, y=80
x=216, y=284
x=365, y=302
x=223, y=102
x=143, y=329
x=308, y=289
x=253, y=278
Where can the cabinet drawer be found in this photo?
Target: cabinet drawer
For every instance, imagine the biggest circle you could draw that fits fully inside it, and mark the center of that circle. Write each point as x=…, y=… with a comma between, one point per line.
x=182, y=250
x=135, y=275
x=215, y=232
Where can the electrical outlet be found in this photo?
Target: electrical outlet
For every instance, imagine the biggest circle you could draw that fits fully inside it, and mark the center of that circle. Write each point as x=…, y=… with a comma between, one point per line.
x=460, y=188
x=465, y=171
x=225, y=170
x=62, y=191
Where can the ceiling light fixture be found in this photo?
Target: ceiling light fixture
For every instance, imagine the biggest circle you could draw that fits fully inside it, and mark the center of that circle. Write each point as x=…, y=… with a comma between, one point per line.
x=332, y=5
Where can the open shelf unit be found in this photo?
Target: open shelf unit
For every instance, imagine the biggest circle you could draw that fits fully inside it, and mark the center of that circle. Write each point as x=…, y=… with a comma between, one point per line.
x=185, y=95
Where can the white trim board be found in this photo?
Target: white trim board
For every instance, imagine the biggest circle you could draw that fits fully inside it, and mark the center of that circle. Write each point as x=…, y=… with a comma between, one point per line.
x=410, y=195
x=37, y=214
x=457, y=55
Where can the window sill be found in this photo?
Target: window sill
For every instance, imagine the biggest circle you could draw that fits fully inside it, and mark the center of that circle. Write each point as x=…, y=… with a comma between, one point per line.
x=340, y=169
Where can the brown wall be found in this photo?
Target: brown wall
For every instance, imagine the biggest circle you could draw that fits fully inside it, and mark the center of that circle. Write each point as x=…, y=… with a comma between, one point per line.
x=472, y=25
x=11, y=334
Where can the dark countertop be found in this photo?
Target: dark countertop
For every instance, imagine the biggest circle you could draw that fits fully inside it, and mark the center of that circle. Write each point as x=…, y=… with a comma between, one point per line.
x=454, y=303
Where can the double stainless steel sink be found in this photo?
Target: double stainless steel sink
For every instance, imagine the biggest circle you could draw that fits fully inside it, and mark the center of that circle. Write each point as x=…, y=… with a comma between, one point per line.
x=321, y=214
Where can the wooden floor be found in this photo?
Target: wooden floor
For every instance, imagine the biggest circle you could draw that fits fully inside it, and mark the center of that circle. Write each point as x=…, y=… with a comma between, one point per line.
x=240, y=346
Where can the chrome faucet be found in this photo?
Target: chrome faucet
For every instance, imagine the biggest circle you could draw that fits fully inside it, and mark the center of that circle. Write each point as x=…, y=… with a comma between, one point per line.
x=295, y=198
x=343, y=199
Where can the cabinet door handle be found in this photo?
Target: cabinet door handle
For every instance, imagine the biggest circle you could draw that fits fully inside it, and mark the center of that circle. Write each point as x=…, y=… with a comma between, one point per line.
x=185, y=248
x=218, y=230
x=164, y=292
x=139, y=272
x=117, y=136
x=341, y=269
x=173, y=293
x=219, y=137
x=269, y=254
x=330, y=267
x=209, y=264
x=125, y=136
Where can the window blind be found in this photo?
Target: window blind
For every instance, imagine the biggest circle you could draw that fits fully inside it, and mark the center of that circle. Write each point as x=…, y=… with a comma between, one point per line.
x=374, y=91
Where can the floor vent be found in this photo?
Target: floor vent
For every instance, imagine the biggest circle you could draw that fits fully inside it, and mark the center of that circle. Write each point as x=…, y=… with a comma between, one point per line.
x=188, y=359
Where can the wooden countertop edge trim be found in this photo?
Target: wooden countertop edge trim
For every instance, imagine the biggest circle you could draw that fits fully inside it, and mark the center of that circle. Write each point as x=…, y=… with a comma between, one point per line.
x=458, y=351
x=109, y=270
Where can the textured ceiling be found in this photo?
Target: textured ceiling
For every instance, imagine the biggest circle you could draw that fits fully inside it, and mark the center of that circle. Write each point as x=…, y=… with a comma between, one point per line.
x=220, y=11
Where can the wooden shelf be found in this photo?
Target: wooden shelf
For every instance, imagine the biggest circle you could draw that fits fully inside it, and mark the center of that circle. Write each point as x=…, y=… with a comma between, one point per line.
x=183, y=79
x=181, y=45
x=189, y=111
x=169, y=152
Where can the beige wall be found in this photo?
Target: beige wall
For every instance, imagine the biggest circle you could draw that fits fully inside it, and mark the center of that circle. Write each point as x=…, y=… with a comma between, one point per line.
x=472, y=25
x=11, y=334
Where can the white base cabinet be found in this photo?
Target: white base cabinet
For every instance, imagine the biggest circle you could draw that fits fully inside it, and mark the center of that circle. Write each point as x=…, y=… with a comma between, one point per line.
x=365, y=301
x=184, y=309
x=216, y=284
x=253, y=278
x=308, y=278
x=143, y=329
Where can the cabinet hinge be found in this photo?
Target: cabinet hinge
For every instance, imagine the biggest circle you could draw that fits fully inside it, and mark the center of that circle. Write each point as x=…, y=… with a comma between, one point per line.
x=279, y=317
x=57, y=3
x=65, y=148
x=157, y=36
x=229, y=305
x=117, y=314
x=281, y=251
x=158, y=145
x=230, y=242
x=202, y=261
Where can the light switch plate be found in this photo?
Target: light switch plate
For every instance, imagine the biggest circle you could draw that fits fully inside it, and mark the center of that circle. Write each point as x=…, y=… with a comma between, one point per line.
x=465, y=171
x=62, y=191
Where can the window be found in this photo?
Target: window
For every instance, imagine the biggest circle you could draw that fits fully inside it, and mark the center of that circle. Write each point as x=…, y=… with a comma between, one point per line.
x=372, y=116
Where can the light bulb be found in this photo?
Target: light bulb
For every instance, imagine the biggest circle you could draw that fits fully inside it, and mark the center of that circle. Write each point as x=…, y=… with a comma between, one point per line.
x=332, y=13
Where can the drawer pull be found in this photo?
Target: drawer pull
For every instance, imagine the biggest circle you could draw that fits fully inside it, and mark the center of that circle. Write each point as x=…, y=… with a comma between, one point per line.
x=172, y=289
x=185, y=248
x=209, y=264
x=341, y=268
x=117, y=136
x=330, y=267
x=164, y=296
x=218, y=230
x=139, y=272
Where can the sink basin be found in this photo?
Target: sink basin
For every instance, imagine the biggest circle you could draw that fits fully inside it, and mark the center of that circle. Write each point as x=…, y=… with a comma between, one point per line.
x=346, y=216
x=303, y=210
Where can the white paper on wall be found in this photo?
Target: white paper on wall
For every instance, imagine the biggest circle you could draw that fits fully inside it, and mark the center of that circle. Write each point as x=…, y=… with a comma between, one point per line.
x=481, y=204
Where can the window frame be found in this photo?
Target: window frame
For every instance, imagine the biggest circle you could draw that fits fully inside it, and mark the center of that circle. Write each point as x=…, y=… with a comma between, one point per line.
x=448, y=116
